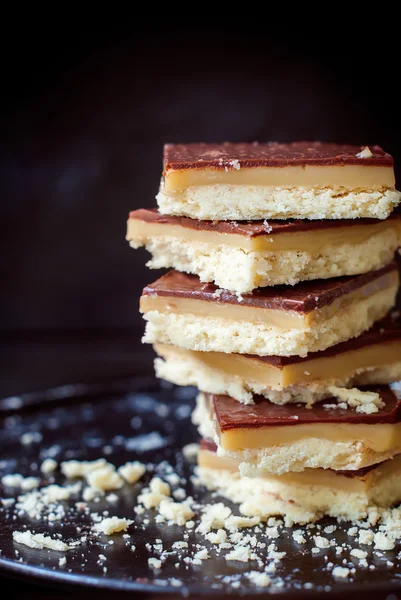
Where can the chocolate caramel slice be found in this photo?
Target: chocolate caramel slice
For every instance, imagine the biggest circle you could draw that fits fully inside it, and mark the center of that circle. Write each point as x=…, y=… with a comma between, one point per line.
x=372, y=358
x=306, y=495
x=242, y=256
x=282, y=321
x=311, y=180
x=266, y=437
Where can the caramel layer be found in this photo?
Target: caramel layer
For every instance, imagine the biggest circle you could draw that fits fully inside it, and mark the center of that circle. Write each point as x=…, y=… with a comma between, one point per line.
x=306, y=236
x=278, y=375
x=346, y=177
x=262, y=306
x=379, y=438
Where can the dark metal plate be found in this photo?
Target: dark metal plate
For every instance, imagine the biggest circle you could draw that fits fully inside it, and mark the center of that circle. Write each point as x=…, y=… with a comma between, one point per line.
x=138, y=419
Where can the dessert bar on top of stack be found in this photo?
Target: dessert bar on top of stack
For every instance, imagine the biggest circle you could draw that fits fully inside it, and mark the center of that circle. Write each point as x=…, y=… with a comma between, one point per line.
x=279, y=305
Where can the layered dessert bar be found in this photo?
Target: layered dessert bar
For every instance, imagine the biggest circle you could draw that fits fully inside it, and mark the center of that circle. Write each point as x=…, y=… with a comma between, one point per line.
x=242, y=256
x=301, y=180
x=274, y=321
x=303, y=496
x=372, y=358
x=267, y=438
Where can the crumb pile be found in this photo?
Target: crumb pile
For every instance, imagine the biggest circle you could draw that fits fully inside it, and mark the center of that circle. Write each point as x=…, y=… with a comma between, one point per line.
x=203, y=531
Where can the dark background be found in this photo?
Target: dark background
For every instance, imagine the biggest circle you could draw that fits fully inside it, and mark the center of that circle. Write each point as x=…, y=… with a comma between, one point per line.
x=83, y=121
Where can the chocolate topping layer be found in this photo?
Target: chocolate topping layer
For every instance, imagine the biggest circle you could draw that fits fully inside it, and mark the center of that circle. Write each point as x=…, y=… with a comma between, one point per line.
x=234, y=415
x=387, y=330
x=303, y=297
x=234, y=156
x=252, y=228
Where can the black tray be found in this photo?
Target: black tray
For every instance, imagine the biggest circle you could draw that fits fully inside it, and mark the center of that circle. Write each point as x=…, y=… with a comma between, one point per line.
x=139, y=419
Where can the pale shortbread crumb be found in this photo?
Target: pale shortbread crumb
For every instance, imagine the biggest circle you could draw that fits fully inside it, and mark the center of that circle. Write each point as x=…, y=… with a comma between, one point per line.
x=112, y=525
x=48, y=466
x=240, y=553
x=258, y=579
x=213, y=334
x=365, y=153
x=366, y=536
x=132, y=471
x=39, y=541
x=104, y=479
x=358, y=553
x=17, y=480
x=241, y=271
x=177, y=513
x=218, y=537
x=341, y=572
x=321, y=542
x=383, y=541
x=74, y=468
x=190, y=451
x=201, y=554
x=152, y=497
x=154, y=563
x=243, y=202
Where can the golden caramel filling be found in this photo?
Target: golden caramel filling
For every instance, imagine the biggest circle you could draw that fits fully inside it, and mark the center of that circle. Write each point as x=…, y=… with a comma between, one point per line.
x=343, y=365
x=380, y=437
x=340, y=366
x=279, y=319
x=309, y=477
x=313, y=242
x=347, y=176
x=210, y=460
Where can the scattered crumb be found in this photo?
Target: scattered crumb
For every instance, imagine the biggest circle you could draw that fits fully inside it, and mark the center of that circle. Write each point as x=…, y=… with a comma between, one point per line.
x=340, y=572
x=105, y=479
x=358, y=553
x=220, y=537
x=154, y=563
x=190, y=451
x=258, y=579
x=39, y=541
x=240, y=553
x=74, y=469
x=112, y=525
x=48, y=466
x=365, y=153
x=177, y=513
x=132, y=471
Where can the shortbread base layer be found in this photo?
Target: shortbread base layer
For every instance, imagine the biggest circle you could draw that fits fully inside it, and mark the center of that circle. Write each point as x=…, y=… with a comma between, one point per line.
x=198, y=332
x=303, y=497
x=183, y=367
x=243, y=202
x=242, y=271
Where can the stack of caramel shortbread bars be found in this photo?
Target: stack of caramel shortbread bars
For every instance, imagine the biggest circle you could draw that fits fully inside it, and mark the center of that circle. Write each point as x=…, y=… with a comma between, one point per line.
x=280, y=311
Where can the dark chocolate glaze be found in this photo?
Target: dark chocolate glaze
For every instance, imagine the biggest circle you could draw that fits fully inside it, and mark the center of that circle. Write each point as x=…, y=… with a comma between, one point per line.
x=252, y=229
x=303, y=297
x=387, y=330
x=231, y=414
x=273, y=154
x=212, y=447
